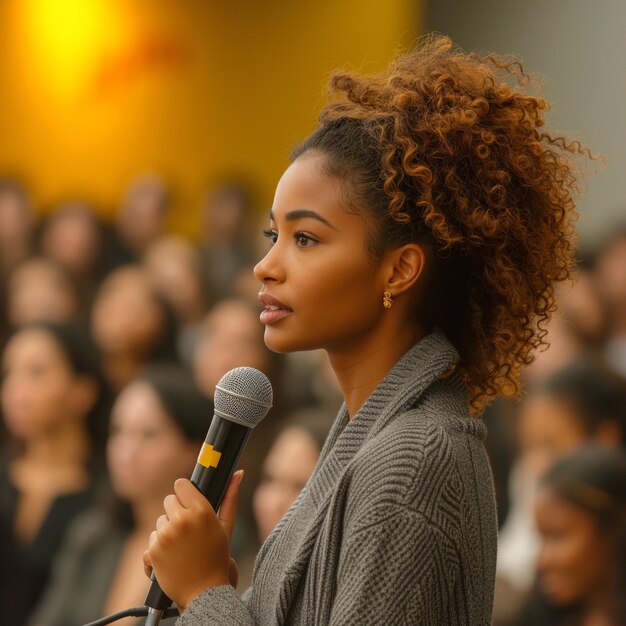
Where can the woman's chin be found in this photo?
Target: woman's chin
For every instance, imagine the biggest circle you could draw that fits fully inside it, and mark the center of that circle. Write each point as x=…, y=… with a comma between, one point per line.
x=284, y=343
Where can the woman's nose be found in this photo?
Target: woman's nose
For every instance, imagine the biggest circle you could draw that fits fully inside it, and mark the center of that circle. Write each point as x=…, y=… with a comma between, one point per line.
x=268, y=268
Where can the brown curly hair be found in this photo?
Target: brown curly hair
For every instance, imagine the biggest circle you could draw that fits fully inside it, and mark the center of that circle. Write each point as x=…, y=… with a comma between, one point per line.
x=441, y=150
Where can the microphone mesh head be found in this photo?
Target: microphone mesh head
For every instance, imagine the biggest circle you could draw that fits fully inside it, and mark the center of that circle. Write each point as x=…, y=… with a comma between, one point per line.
x=243, y=395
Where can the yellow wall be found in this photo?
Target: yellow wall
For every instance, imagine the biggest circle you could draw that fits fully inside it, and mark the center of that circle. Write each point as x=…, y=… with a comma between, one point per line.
x=95, y=91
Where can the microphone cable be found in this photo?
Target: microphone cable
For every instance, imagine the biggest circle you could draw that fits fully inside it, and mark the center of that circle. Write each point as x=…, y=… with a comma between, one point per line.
x=138, y=611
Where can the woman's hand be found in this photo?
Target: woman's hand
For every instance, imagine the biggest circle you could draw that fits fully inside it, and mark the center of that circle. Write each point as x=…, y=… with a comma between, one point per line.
x=190, y=548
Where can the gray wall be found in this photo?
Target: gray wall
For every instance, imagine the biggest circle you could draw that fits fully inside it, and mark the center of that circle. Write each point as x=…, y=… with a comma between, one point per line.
x=578, y=47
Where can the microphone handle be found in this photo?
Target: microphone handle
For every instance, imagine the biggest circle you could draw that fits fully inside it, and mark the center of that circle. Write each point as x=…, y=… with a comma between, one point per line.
x=216, y=463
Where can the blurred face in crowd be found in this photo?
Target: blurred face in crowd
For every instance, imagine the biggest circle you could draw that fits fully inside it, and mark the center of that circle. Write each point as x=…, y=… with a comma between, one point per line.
x=232, y=337
x=286, y=469
x=72, y=239
x=146, y=451
x=38, y=290
x=144, y=210
x=575, y=556
x=548, y=429
x=41, y=393
x=224, y=215
x=127, y=317
x=611, y=275
x=174, y=268
x=16, y=219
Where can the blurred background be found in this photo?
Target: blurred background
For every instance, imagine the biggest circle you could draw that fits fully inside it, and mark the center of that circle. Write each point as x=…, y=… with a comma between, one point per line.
x=140, y=144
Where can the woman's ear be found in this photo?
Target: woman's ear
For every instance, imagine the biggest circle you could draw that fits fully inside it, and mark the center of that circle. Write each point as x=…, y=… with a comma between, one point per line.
x=406, y=266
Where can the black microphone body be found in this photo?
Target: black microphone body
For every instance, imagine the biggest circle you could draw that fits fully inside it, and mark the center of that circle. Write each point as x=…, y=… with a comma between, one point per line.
x=216, y=463
x=220, y=452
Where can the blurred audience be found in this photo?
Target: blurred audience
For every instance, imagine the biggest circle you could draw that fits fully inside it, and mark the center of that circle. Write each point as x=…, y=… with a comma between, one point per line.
x=175, y=268
x=226, y=238
x=232, y=337
x=154, y=301
x=73, y=237
x=17, y=224
x=580, y=510
x=578, y=327
x=143, y=214
x=131, y=324
x=611, y=280
x=288, y=466
x=39, y=289
x=54, y=407
x=284, y=472
x=580, y=404
x=158, y=424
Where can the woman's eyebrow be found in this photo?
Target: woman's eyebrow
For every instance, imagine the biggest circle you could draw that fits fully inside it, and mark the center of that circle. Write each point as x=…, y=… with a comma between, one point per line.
x=297, y=214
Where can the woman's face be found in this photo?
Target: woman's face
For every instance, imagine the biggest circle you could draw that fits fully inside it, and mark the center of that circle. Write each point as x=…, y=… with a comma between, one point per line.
x=318, y=273
x=126, y=315
x=575, y=555
x=146, y=451
x=39, y=390
x=286, y=469
x=548, y=429
x=37, y=292
x=231, y=337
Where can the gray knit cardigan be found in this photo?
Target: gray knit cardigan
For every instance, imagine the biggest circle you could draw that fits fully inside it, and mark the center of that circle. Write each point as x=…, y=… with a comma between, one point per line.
x=396, y=525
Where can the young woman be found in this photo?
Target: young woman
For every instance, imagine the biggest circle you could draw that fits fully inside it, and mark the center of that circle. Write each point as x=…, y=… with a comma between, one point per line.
x=416, y=237
x=157, y=426
x=581, y=514
x=54, y=407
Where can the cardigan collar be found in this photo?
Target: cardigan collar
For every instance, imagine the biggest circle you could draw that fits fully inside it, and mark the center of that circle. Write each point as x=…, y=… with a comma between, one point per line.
x=398, y=392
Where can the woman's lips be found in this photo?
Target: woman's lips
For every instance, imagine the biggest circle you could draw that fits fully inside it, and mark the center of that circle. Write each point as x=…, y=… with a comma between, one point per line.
x=274, y=309
x=272, y=314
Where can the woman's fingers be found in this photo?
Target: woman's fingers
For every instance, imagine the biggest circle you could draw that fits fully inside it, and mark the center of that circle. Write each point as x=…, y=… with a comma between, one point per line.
x=188, y=495
x=147, y=564
x=228, y=507
x=233, y=573
x=161, y=523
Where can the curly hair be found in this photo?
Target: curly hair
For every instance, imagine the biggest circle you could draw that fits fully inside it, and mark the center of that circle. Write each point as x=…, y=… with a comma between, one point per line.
x=441, y=150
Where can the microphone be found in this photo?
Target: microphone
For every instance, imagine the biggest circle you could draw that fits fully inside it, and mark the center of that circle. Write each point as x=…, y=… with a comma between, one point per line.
x=242, y=399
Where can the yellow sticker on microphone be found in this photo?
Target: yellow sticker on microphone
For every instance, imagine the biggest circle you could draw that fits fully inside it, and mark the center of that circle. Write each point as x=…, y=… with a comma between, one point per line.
x=209, y=457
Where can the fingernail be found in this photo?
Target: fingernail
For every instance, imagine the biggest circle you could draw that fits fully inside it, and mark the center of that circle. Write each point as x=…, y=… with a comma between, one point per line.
x=240, y=472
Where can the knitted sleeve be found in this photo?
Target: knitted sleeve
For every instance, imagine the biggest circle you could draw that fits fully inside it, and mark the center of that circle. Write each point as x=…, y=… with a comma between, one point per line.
x=399, y=569
x=216, y=606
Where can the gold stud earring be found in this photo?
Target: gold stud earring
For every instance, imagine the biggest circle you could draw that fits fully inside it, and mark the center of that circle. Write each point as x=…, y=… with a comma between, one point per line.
x=387, y=301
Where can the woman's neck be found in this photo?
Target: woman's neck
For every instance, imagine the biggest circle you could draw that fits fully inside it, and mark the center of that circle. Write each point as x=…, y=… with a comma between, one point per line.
x=68, y=445
x=360, y=369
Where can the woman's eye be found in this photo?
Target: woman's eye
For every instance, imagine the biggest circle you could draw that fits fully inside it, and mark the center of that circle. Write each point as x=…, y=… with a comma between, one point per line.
x=304, y=241
x=272, y=235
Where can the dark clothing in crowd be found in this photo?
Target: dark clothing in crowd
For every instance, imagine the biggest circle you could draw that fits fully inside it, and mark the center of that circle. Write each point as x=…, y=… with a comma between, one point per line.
x=25, y=568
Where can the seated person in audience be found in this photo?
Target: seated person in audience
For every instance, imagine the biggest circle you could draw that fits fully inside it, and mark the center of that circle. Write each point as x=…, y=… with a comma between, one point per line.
x=157, y=426
x=131, y=324
x=288, y=465
x=284, y=472
x=54, y=407
x=580, y=510
x=175, y=267
x=74, y=237
x=610, y=274
x=143, y=213
x=40, y=289
x=17, y=224
x=232, y=337
x=582, y=403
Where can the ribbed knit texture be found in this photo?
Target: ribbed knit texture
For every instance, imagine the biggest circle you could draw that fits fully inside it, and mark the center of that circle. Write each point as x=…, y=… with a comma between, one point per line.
x=397, y=524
